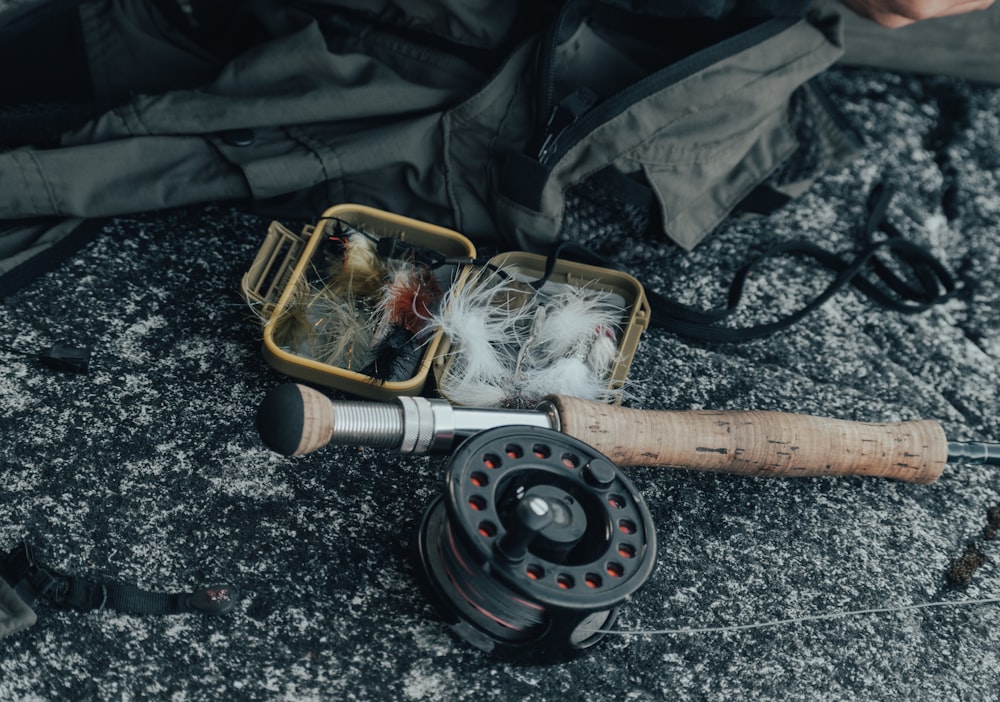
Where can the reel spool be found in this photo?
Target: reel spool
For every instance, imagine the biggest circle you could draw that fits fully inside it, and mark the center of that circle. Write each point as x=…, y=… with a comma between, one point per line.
x=535, y=543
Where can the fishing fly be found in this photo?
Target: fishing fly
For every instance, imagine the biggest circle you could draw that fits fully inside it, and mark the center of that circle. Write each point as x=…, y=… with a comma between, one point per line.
x=359, y=310
x=512, y=343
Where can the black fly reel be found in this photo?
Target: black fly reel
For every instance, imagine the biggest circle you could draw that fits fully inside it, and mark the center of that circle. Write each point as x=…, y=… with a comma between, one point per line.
x=536, y=542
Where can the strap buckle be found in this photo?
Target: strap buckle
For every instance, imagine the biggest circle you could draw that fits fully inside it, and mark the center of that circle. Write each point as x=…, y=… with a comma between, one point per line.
x=26, y=576
x=214, y=599
x=15, y=613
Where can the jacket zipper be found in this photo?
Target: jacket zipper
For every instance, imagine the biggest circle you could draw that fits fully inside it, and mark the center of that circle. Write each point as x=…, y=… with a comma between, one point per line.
x=559, y=137
x=547, y=72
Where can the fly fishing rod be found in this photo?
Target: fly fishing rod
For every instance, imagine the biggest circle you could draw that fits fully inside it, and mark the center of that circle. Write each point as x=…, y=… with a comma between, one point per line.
x=295, y=419
x=539, y=536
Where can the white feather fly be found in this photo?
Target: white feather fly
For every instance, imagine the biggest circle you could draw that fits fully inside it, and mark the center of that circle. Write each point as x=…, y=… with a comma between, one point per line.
x=485, y=327
x=566, y=376
x=512, y=345
x=603, y=352
x=570, y=323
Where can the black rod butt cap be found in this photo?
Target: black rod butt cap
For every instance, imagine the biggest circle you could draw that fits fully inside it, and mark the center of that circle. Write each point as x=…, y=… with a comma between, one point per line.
x=280, y=419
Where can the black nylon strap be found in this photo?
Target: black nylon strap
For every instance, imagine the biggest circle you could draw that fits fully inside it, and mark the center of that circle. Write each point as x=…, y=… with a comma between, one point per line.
x=933, y=282
x=699, y=324
x=34, y=582
x=13, y=280
x=763, y=200
x=85, y=594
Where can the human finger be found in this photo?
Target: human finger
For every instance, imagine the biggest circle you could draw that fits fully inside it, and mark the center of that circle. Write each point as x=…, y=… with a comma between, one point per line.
x=899, y=13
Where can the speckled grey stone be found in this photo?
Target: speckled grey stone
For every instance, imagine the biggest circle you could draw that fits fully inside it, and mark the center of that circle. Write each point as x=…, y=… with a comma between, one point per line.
x=148, y=468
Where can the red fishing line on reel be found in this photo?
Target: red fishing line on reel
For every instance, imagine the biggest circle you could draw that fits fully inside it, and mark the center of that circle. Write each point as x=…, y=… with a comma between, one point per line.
x=535, y=543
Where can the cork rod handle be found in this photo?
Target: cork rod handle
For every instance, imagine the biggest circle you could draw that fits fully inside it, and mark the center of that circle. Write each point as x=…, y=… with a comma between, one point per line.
x=757, y=443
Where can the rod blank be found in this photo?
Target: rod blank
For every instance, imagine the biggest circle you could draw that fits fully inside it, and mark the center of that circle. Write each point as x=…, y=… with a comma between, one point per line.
x=976, y=452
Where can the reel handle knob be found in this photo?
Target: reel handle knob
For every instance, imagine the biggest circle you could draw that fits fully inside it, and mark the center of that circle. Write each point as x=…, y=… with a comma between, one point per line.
x=533, y=514
x=757, y=443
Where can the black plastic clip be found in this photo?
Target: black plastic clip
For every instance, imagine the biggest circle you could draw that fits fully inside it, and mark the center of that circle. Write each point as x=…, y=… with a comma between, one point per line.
x=214, y=599
x=15, y=613
x=69, y=358
x=26, y=576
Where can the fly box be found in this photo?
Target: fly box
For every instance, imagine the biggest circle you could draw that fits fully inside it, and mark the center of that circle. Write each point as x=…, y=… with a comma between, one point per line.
x=379, y=305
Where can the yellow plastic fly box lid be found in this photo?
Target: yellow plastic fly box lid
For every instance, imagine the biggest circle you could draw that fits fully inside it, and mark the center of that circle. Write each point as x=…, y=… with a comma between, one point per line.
x=322, y=296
